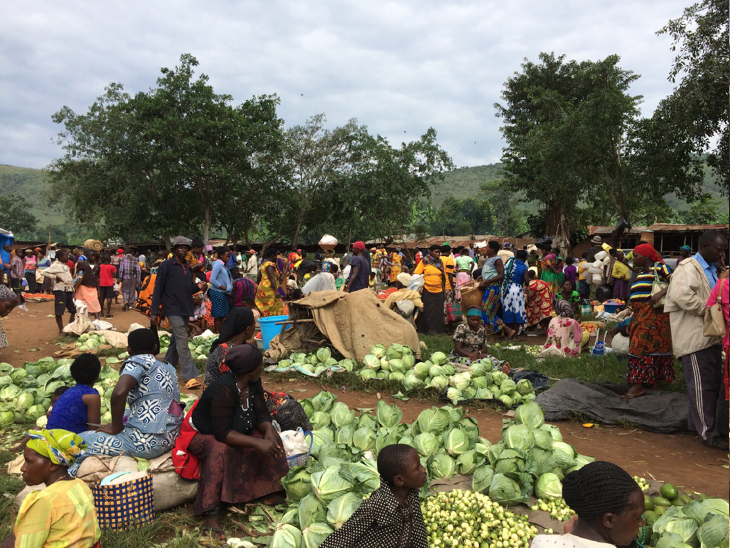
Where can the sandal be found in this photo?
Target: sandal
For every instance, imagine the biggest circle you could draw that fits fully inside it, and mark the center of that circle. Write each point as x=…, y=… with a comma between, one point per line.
x=193, y=384
x=214, y=532
x=108, y=316
x=628, y=396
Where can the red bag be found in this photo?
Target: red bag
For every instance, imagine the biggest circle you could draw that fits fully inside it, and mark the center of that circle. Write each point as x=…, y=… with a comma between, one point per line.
x=453, y=312
x=186, y=465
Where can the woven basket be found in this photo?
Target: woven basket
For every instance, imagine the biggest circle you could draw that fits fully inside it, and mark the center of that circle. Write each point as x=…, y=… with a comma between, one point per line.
x=471, y=295
x=94, y=245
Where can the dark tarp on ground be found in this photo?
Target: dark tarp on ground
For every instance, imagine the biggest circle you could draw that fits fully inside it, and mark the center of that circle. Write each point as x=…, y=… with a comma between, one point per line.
x=353, y=323
x=655, y=411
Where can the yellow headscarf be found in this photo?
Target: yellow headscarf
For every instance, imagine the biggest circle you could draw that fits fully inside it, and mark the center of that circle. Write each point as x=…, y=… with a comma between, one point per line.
x=60, y=446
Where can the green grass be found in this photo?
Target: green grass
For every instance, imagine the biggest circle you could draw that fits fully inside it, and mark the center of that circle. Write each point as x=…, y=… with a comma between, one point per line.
x=11, y=486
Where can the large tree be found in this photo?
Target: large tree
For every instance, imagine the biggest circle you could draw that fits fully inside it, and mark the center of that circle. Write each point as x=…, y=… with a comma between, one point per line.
x=16, y=214
x=697, y=110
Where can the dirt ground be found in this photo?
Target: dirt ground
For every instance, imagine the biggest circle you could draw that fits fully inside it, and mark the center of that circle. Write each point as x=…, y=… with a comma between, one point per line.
x=675, y=458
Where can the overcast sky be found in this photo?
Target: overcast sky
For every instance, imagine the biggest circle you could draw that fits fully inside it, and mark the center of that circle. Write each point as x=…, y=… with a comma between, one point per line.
x=395, y=66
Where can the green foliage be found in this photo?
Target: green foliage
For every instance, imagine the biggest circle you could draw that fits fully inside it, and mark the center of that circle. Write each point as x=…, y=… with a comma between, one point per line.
x=463, y=217
x=16, y=214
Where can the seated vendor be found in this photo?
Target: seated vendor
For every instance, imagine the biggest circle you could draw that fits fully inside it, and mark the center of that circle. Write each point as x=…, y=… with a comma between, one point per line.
x=470, y=338
x=62, y=513
x=240, y=454
x=154, y=416
x=403, y=284
x=564, y=332
x=238, y=327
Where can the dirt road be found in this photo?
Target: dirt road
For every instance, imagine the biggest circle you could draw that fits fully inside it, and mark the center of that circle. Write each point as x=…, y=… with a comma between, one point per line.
x=677, y=458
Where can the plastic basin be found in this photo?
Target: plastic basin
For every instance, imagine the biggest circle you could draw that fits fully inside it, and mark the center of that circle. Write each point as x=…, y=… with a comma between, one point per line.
x=269, y=329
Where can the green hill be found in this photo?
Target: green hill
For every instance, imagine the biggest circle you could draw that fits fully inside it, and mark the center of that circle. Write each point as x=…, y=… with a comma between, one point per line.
x=463, y=182
x=31, y=184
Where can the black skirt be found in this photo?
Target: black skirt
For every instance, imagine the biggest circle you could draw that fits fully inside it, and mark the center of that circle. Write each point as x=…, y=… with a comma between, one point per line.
x=432, y=319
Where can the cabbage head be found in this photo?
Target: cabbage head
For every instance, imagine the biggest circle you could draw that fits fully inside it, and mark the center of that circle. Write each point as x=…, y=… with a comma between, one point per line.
x=283, y=364
x=341, y=508
x=34, y=412
x=460, y=381
x=439, y=358
x=713, y=532
x=323, y=401
x=314, y=535
x=548, y=486
x=324, y=354
x=426, y=444
x=411, y=382
x=409, y=361
x=367, y=420
x=421, y=370
x=433, y=420
x=540, y=462
x=508, y=387
x=518, y=436
x=509, y=461
x=505, y=399
x=297, y=483
x=439, y=382
x=482, y=478
x=5, y=368
x=471, y=428
x=397, y=366
x=454, y=395
x=496, y=392
x=344, y=435
x=367, y=374
x=479, y=382
x=388, y=415
x=505, y=491
x=386, y=436
x=554, y=431
x=24, y=401
x=396, y=376
x=456, y=441
x=443, y=466
x=9, y=393
x=530, y=414
x=468, y=462
x=5, y=380
x=6, y=418
x=35, y=369
x=524, y=387
x=320, y=419
x=378, y=351
x=543, y=439
x=347, y=364
x=286, y=536
x=499, y=377
x=341, y=415
x=18, y=375
x=41, y=422
x=395, y=351
x=309, y=511
x=329, y=484
x=364, y=438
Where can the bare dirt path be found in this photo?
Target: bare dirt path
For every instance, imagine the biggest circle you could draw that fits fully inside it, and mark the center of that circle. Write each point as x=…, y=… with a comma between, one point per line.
x=674, y=458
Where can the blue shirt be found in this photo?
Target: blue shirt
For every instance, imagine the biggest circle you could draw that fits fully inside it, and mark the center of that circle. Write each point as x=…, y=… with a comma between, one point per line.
x=149, y=401
x=70, y=412
x=710, y=269
x=220, y=276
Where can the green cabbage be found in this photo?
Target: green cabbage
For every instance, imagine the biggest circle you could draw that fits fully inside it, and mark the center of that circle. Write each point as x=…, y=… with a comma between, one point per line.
x=499, y=377
x=505, y=399
x=421, y=370
x=396, y=377
x=460, y=380
x=439, y=382
x=468, y=462
x=479, y=382
x=329, y=484
x=524, y=387
x=454, y=395
x=24, y=401
x=409, y=361
x=436, y=370
x=341, y=415
x=35, y=369
x=484, y=394
x=364, y=474
x=439, y=358
x=530, y=414
x=323, y=401
x=309, y=511
x=371, y=361
x=364, y=439
x=6, y=418
x=548, y=486
x=509, y=461
x=18, y=375
x=443, y=466
x=395, y=351
x=314, y=535
x=554, y=431
x=33, y=412
x=482, y=478
x=456, y=441
x=505, y=491
x=713, y=532
x=367, y=374
x=540, y=462
x=320, y=419
x=433, y=420
x=347, y=364
x=518, y=436
x=5, y=367
x=426, y=444
x=388, y=415
x=286, y=536
x=41, y=422
x=378, y=350
x=412, y=382
x=341, y=508
x=508, y=387
x=9, y=393
x=297, y=483
x=543, y=439
x=367, y=420
x=344, y=435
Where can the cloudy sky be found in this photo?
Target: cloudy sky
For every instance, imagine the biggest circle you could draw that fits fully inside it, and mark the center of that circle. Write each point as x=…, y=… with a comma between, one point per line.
x=397, y=66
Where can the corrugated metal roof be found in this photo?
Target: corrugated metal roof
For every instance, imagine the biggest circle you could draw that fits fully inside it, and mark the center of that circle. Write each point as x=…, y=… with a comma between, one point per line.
x=667, y=227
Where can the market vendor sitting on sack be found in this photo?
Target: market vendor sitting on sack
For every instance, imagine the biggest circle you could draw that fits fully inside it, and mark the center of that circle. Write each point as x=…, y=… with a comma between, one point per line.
x=470, y=338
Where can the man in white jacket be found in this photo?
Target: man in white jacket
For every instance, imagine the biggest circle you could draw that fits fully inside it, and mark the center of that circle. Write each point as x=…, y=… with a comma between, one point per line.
x=252, y=265
x=689, y=289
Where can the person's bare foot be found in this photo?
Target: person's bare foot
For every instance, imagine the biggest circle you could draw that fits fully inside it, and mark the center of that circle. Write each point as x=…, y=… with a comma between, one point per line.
x=273, y=499
x=635, y=391
x=213, y=526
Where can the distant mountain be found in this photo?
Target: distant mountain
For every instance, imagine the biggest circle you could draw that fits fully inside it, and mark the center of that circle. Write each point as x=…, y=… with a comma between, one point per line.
x=31, y=184
x=463, y=182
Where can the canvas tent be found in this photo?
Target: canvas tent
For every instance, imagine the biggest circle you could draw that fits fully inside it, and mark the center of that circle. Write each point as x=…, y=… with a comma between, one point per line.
x=350, y=322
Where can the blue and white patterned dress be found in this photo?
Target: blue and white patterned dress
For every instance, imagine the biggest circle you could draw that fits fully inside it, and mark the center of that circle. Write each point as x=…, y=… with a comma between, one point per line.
x=149, y=430
x=513, y=294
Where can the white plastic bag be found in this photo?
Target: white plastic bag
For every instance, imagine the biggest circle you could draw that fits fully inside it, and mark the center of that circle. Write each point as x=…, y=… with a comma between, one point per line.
x=601, y=255
x=328, y=240
x=294, y=442
x=417, y=282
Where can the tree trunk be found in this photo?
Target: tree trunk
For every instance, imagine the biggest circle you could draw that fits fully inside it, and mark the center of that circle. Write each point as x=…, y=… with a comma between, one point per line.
x=206, y=225
x=295, y=239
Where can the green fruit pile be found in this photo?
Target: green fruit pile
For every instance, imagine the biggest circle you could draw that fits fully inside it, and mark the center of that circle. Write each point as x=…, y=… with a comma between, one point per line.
x=642, y=483
x=557, y=507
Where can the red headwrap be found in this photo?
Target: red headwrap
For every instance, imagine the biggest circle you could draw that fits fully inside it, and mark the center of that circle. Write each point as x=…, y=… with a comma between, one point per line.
x=359, y=245
x=647, y=250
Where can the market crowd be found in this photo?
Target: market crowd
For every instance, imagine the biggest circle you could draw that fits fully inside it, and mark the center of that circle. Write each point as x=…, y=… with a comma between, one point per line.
x=227, y=440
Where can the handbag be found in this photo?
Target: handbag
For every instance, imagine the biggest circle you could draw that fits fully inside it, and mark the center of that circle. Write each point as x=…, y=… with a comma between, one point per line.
x=714, y=325
x=658, y=285
x=124, y=505
x=453, y=312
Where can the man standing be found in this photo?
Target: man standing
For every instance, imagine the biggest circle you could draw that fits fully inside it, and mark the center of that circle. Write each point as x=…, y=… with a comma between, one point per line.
x=689, y=289
x=359, y=270
x=129, y=274
x=252, y=265
x=174, y=289
x=63, y=288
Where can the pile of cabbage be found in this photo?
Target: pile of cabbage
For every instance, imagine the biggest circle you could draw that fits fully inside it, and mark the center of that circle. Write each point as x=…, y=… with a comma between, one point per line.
x=481, y=382
x=697, y=524
x=25, y=392
x=199, y=346
x=315, y=363
x=530, y=459
x=90, y=341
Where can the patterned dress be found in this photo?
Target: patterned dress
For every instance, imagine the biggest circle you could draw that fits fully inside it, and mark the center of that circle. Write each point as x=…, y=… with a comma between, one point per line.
x=267, y=300
x=491, y=298
x=471, y=341
x=550, y=275
x=395, y=267
x=650, y=338
x=538, y=302
x=564, y=332
x=513, y=296
x=150, y=430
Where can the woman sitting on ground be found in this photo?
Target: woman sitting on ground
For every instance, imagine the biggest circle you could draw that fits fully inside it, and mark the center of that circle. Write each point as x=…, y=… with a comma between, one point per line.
x=240, y=454
x=154, y=416
x=63, y=513
x=608, y=504
x=238, y=327
x=564, y=332
x=470, y=338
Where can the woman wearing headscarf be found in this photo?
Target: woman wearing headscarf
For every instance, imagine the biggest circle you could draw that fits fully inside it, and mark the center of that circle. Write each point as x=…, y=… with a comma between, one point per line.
x=267, y=297
x=62, y=513
x=564, y=332
x=550, y=274
x=491, y=284
x=8, y=301
x=651, y=360
x=239, y=453
x=685, y=252
x=434, y=279
x=513, y=294
x=238, y=327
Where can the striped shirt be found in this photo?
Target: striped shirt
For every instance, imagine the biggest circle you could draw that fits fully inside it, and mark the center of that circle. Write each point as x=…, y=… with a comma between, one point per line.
x=641, y=289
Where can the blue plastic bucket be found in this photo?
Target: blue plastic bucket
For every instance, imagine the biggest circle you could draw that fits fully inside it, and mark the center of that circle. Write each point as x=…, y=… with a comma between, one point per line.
x=269, y=329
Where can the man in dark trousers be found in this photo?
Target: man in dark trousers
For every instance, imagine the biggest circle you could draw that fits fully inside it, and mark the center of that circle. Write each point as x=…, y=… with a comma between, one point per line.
x=174, y=289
